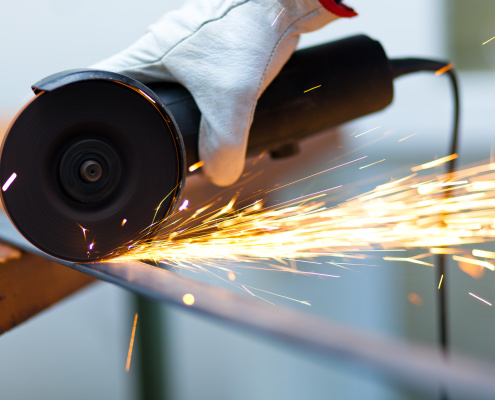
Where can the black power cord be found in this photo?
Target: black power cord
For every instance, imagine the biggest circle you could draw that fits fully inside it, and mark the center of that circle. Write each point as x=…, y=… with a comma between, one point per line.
x=410, y=65
x=405, y=66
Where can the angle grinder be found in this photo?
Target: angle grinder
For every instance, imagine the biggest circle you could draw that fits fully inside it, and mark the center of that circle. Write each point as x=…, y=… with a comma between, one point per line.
x=98, y=159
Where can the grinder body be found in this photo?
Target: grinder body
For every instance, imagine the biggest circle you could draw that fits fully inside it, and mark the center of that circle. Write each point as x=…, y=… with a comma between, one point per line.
x=355, y=77
x=99, y=159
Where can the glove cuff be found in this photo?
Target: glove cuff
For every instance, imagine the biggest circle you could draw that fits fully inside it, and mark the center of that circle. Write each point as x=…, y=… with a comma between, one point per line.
x=341, y=10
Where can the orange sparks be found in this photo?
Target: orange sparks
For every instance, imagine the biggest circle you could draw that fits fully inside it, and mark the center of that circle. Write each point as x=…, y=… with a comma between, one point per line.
x=260, y=156
x=131, y=344
x=84, y=230
x=407, y=137
x=480, y=299
x=228, y=207
x=316, y=87
x=188, y=299
x=231, y=276
x=9, y=181
x=415, y=299
x=369, y=165
x=443, y=70
x=480, y=263
x=257, y=206
x=443, y=250
x=195, y=166
x=123, y=222
x=395, y=216
x=411, y=260
x=435, y=163
x=421, y=256
x=224, y=210
x=483, y=253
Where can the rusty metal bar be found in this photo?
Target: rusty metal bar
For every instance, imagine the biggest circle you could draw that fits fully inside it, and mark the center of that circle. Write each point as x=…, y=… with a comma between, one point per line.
x=29, y=284
x=420, y=367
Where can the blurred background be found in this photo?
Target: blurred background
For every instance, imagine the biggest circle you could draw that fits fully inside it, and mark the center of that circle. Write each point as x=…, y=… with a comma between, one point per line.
x=77, y=349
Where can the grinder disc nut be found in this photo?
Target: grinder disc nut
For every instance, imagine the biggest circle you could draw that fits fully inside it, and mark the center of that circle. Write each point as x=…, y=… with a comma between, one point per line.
x=91, y=171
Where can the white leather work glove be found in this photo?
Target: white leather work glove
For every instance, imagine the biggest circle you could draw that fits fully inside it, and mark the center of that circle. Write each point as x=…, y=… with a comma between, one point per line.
x=225, y=52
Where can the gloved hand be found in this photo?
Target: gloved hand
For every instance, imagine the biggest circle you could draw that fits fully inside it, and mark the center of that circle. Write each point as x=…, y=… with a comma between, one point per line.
x=225, y=52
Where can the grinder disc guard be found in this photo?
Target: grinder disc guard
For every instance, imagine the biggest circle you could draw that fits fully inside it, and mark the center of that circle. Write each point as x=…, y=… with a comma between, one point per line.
x=94, y=158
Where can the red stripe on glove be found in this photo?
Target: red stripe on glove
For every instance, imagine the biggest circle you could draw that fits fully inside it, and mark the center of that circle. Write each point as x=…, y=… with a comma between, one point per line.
x=338, y=9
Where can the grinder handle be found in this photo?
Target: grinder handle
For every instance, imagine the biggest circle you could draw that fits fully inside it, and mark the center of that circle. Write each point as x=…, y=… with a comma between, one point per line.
x=354, y=79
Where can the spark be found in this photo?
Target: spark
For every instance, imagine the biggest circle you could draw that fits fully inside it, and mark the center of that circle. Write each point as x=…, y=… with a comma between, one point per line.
x=483, y=253
x=231, y=276
x=184, y=205
x=443, y=70
x=369, y=165
x=159, y=206
x=195, y=166
x=407, y=137
x=9, y=181
x=387, y=250
x=91, y=246
x=316, y=87
x=147, y=96
x=442, y=250
x=84, y=230
x=480, y=263
x=412, y=260
x=247, y=290
x=131, y=344
x=371, y=130
x=275, y=20
x=421, y=256
x=319, y=173
x=260, y=156
x=224, y=210
x=489, y=40
x=435, y=163
x=393, y=217
x=440, y=283
x=123, y=222
x=480, y=299
x=188, y=299
x=452, y=183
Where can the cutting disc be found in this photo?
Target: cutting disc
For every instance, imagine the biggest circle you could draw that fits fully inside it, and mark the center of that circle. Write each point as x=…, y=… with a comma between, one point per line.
x=89, y=167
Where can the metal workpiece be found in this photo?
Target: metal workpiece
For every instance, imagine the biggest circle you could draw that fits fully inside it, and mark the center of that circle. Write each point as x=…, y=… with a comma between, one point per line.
x=417, y=366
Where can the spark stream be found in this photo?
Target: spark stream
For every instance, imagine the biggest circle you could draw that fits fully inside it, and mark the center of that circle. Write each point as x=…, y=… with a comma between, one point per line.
x=411, y=212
